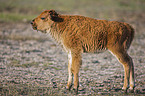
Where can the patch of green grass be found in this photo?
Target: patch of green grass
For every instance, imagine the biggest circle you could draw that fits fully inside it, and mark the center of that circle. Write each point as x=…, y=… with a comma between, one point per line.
x=16, y=63
x=46, y=65
x=86, y=68
x=27, y=65
x=15, y=17
x=56, y=68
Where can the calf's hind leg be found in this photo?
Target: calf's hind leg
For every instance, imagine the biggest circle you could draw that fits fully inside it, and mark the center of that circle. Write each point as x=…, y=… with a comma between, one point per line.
x=127, y=63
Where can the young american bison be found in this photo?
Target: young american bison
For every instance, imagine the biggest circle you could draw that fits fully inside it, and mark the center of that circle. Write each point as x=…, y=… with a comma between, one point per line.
x=78, y=34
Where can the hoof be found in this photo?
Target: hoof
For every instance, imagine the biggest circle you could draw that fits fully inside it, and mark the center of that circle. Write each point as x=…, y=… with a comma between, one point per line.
x=75, y=91
x=131, y=90
x=68, y=88
x=124, y=90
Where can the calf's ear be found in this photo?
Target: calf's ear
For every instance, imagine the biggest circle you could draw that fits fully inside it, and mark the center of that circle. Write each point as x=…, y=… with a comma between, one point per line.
x=54, y=16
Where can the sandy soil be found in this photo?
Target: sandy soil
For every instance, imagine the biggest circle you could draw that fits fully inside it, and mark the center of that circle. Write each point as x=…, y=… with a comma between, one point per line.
x=32, y=64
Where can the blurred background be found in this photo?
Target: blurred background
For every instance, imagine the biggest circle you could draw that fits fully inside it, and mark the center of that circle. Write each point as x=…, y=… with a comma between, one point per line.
x=25, y=10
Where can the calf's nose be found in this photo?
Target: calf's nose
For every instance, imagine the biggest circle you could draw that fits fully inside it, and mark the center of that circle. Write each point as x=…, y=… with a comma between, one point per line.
x=32, y=21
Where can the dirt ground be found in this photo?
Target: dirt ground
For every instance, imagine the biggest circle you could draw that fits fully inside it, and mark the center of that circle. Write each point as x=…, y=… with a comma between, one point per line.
x=33, y=64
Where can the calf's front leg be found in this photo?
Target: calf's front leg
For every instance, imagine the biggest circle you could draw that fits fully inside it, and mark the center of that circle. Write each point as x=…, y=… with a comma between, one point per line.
x=73, y=68
x=69, y=71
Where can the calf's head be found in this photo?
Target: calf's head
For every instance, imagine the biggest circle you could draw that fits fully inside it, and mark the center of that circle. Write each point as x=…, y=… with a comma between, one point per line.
x=44, y=21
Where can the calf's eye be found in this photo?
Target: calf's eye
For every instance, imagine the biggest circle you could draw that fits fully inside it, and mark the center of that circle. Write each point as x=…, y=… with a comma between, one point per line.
x=42, y=18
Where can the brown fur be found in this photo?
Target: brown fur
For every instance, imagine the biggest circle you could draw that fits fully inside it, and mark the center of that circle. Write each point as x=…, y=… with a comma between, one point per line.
x=78, y=34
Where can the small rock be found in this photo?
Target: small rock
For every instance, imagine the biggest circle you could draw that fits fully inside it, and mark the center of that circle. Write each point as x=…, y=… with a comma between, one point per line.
x=106, y=81
x=117, y=89
x=137, y=91
x=101, y=85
